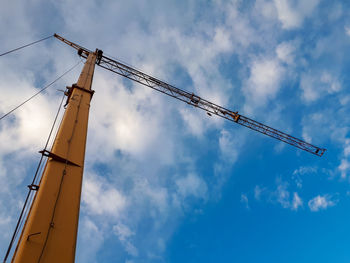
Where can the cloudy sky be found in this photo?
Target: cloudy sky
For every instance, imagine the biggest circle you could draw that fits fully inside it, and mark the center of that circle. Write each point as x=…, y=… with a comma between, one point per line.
x=165, y=182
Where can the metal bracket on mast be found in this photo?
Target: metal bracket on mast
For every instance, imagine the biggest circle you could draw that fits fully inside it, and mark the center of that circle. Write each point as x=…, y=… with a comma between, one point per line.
x=33, y=187
x=69, y=92
x=57, y=158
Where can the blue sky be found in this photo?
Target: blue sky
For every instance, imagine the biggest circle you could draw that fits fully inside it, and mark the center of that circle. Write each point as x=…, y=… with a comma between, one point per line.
x=163, y=181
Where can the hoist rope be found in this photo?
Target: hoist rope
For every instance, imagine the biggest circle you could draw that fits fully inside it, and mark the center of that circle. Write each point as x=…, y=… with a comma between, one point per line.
x=3, y=54
x=29, y=195
x=47, y=86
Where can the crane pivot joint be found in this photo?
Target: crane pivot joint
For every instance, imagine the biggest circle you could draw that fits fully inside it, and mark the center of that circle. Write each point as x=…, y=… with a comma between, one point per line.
x=99, y=54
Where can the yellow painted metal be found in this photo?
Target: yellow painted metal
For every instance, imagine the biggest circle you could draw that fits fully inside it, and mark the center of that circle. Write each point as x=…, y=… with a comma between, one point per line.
x=50, y=232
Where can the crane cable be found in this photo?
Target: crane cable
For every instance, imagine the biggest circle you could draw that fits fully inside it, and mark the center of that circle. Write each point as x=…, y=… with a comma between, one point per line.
x=8, y=52
x=25, y=205
x=20, y=219
x=44, y=88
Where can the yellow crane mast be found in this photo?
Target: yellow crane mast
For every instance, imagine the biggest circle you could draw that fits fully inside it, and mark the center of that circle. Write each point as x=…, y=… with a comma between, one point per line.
x=50, y=232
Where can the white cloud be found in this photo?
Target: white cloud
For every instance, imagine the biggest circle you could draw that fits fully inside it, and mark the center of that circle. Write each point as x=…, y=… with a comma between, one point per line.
x=196, y=122
x=245, y=201
x=344, y=100
x=347, y=30
x=266, y=8
x=310, y=90
x=263, y=83
x=289, y=17
x=298, y=173
x=243, y=33
x=321, y=203
x=283, y=195
x=91, y=238
x=292, y=13
x=331, y=81
x=316, y=85
x=158, y=196
x=305, y=170
x=192, y=185
x=101, y=198
x=29, y=126
x=131, y=249
x=258, y=192
x=347, y=148
x=119, y=122
x=229, y=146
x=122, y=231
x=124, y=234
x=285, y=52
x=344, y=168
x=322, y=129
x=222, y=39
x=297, y=202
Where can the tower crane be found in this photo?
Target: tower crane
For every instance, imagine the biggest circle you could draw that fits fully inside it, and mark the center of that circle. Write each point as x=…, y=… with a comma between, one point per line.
x=50, y=230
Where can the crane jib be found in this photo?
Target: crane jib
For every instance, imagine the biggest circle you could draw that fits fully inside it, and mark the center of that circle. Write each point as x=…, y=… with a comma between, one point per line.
x=192, y=99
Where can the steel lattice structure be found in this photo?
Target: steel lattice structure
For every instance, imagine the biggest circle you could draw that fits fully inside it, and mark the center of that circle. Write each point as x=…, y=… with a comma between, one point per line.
x=192, y=99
